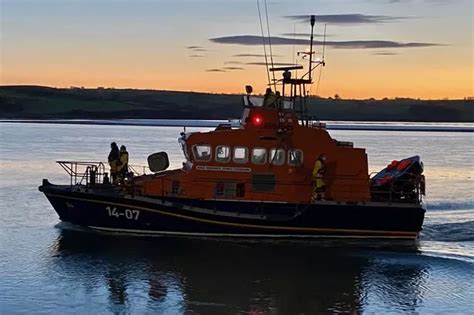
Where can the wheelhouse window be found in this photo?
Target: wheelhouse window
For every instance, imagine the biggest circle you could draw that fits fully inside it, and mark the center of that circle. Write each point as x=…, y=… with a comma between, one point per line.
x=202, y=152
x=240, y=155
x=222, y=153
x=259, y=155
x=277, y=156
x=295, y=157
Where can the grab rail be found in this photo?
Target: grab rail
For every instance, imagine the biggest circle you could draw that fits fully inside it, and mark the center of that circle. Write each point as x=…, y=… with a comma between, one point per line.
x=93, y=172
x=80, y=171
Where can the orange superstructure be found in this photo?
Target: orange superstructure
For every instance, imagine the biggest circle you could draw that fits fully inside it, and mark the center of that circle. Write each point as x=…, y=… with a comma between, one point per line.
x=270, y=157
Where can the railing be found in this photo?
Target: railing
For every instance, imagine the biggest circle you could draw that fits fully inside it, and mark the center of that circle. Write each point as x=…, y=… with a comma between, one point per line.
x=92, y=173
x=84, y=173
x=400, y=190
x=134, y=168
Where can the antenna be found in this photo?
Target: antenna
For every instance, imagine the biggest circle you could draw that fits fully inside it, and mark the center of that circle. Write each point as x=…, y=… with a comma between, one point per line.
x=270, y=42
x=323, y=61
x=263, y=41
x=313, y=20
x=324, y=44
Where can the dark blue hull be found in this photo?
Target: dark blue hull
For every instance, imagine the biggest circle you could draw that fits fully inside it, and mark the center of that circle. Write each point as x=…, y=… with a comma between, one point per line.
x=109, y=210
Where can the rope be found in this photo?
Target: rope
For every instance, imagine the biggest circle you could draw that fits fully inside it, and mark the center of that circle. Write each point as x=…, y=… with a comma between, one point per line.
x=263, y=41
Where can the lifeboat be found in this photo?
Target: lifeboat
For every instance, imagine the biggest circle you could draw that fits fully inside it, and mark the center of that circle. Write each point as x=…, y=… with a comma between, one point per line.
x=263, y=178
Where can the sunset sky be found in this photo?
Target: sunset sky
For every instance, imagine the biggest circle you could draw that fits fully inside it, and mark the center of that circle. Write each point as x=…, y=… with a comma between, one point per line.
x=375, y=48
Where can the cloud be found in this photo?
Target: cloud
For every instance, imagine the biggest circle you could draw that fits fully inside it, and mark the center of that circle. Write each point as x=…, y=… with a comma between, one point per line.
x=197, y=48
x=233, y=68
x=215, y=70
x=253, y=40
x=233, y=62
x=258, y=63
x=251, y=55
x=347, y=19
x=385, y=53
x=306, y=35
x=196, y=56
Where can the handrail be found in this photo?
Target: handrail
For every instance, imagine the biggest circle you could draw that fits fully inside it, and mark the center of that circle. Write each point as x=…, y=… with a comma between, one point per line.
x=80, y=171
x=93, y=172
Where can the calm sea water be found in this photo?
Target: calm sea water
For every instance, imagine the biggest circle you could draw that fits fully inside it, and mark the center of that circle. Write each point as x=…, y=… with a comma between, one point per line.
x=51, y=267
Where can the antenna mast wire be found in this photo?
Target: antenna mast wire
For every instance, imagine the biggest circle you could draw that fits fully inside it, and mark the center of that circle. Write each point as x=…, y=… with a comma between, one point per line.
x=323, y=61
x=270, y=43
x=263, y=42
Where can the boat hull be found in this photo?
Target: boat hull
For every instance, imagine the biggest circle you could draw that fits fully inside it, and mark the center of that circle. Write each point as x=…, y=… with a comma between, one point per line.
x=112, y=211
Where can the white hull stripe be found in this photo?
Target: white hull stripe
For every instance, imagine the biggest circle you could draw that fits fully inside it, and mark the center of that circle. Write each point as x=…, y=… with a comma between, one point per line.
x=150, y=232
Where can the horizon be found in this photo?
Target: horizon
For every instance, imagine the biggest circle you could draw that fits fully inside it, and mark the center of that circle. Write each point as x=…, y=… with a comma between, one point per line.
x=374, y=49
x=466, y=98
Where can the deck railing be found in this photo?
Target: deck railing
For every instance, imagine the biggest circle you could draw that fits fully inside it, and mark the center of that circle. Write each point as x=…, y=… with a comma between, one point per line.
x=91, y=173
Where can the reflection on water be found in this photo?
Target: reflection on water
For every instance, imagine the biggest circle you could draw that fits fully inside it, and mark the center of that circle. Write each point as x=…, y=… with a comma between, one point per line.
x=212, y=277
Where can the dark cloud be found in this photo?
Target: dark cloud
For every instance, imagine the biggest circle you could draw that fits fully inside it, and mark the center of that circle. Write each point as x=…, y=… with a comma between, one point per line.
x=197, y=48
x=306, y=35
x=215, y=70
x=251, y=40
x=385, y=53
x=258, y=63
x=233, y=68
x=346, y=19
x=233, y=62
x=196, y=56
x=250, y=55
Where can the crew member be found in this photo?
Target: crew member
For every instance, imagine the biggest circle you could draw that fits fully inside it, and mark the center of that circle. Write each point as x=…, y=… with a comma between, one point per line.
x=114, y=157
x=269, y=99
x=318, y=178
x=122, y=168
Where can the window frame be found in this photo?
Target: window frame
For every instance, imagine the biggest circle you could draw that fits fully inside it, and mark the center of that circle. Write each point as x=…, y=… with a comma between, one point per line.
x=194, y=152
x=222, y=146
x=270, y=159
x=239, y=161
x=300, y=162
x=265, y=158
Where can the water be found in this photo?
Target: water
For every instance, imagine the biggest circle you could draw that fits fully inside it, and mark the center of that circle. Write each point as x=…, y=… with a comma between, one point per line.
x=52, y=267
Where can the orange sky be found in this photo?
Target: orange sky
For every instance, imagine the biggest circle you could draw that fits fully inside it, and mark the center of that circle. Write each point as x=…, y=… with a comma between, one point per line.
x=144, y=45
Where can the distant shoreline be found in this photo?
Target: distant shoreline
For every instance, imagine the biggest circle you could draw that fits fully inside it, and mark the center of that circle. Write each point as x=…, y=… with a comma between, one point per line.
x=40, y=103
x=330, y=125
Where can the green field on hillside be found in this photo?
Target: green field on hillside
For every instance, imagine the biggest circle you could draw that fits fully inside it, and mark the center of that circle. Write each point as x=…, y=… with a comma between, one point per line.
x=37, y=102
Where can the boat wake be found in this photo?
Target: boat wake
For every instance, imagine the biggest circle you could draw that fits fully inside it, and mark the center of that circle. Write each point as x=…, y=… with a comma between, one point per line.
x=449, y=232
x=450, y=205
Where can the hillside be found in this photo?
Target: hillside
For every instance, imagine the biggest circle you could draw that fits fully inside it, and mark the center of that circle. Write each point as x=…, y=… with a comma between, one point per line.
x=37, y=102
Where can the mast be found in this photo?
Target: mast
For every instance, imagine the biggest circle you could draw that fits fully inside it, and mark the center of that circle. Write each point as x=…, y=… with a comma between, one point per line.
x=313, y=20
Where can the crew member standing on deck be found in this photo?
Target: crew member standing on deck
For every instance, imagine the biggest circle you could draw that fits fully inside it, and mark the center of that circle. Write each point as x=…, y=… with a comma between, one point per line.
x=269, y=99
x=113, y=159
x=122, y=168
x=318, y=178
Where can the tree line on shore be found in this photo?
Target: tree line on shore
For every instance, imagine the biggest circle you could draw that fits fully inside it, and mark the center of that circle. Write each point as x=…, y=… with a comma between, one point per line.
x=38, y=102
